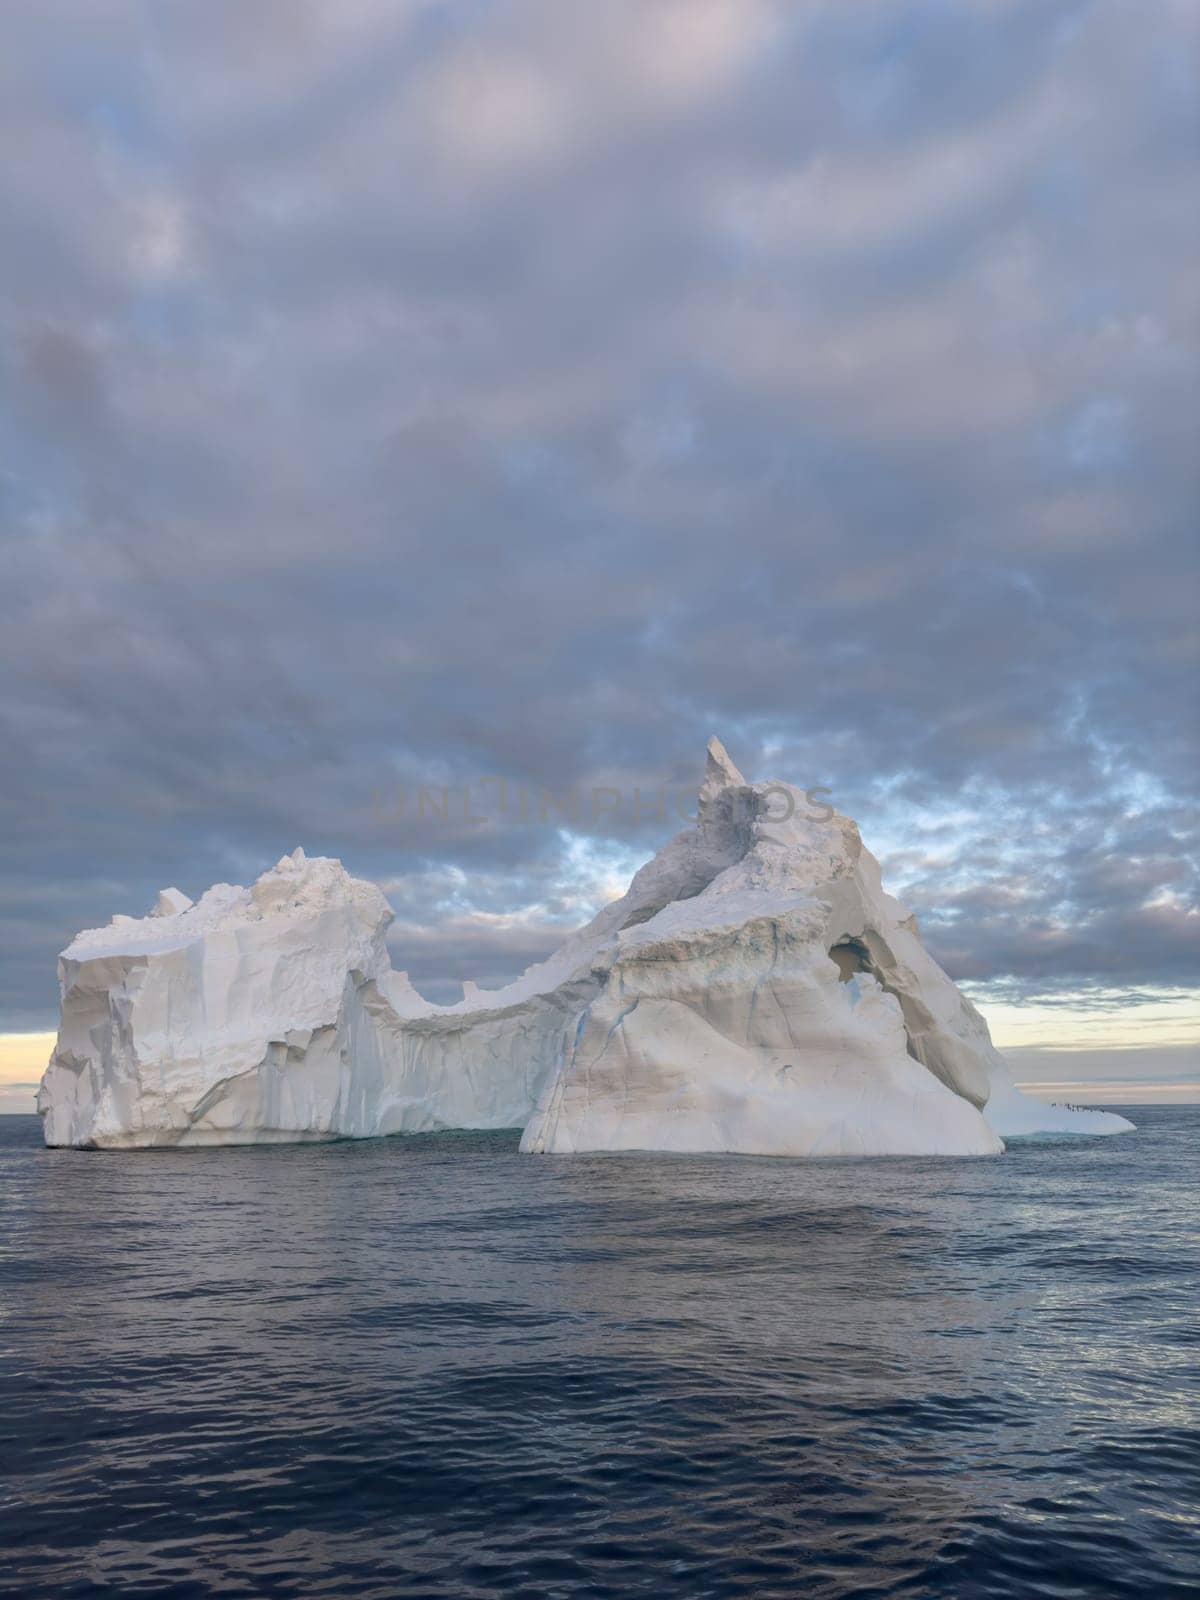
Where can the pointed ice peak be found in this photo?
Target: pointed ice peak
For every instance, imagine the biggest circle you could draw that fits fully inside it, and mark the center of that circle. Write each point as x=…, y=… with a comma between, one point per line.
x=719, y=828
x=719, y=770
x=296, y=859
x=170, y=903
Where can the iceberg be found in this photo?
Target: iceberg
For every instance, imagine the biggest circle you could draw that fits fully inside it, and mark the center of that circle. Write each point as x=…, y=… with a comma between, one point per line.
x=755, y=990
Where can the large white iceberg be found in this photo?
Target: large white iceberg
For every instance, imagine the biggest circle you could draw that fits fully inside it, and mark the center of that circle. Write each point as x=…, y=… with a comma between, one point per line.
x=755, y=990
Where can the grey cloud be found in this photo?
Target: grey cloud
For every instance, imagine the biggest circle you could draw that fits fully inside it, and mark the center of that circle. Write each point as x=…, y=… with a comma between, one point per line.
x=408, y=393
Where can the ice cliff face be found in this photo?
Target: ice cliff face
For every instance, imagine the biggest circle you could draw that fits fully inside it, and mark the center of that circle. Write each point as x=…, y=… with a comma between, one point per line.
x=225, y=1020
x=273, y=1014
x=754, y=990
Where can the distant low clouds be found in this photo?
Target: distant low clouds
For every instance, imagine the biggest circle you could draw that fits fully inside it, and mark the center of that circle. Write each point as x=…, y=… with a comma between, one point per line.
x=412, y=392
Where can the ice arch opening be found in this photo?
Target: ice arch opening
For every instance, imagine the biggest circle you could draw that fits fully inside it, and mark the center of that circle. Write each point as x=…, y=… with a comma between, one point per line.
x=852, y=958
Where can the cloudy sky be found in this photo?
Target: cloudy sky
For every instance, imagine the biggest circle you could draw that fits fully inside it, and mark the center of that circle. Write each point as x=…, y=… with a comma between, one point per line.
x=402, y=394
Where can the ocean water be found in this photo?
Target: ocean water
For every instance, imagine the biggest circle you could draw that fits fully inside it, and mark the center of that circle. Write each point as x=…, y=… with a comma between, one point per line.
x=433, y=1367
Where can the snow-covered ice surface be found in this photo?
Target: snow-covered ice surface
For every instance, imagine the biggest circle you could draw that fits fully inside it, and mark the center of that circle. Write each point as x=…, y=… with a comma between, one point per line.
x=1015, y=1115
x=755, y=990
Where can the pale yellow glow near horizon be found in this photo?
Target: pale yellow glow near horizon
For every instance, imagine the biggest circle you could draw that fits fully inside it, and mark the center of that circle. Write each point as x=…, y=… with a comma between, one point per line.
x=1119, y=1093
x=23, y=1058
x=1168, y=1021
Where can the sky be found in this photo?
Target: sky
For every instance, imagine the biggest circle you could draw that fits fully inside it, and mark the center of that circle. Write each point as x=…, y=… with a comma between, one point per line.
x=409, y=395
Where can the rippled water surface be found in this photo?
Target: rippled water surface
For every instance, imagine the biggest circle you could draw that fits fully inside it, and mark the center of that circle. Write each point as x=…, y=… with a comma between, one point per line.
x=435, y=1367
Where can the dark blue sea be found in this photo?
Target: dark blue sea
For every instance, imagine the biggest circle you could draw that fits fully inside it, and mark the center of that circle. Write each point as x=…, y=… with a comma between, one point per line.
x=434, y=1367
